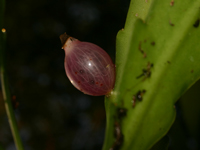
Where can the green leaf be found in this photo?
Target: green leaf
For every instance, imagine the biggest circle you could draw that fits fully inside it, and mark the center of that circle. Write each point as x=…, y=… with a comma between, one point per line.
x=164, y=34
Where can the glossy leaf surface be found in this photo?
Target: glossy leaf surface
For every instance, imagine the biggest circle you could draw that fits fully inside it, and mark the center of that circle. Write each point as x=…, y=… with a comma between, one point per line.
x=157, y=51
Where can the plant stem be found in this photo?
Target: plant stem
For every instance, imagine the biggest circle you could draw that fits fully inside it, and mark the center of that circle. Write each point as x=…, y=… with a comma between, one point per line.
x=4, y=83
x=7, y=97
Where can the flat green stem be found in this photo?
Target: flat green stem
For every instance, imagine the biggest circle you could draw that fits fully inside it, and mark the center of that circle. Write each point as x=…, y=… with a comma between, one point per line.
x=7, y=98
x=4, y=82
x=162, y=39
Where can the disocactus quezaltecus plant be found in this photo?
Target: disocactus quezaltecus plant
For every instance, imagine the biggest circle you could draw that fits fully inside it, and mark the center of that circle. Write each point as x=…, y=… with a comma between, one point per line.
x=88, y=67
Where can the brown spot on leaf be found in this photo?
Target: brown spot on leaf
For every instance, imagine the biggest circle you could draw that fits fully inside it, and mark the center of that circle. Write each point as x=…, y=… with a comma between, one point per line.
x=172, y=3
x=171, y=23
x=153, y=43
x=141, y=50
x=196, y=24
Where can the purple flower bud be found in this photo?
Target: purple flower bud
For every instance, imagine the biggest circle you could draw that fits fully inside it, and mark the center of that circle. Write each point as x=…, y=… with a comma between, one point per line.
x=88, y=67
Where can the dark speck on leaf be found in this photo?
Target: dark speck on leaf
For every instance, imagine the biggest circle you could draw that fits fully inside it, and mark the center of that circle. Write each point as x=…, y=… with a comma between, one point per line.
x=146, y=71
x=141, y=50
x=121, y=112
x=196, y=24
x=192, y=71
x=119, y=137
x=172, y=3
x=133, y=101
x=140, y=94
x=171, y=23
x=153, y=43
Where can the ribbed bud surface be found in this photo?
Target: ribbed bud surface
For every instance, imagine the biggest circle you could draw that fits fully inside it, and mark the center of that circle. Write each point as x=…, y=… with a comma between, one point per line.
x=89, y=68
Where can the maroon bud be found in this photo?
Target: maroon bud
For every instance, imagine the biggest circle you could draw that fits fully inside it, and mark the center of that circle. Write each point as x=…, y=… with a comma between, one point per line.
x=88, y=67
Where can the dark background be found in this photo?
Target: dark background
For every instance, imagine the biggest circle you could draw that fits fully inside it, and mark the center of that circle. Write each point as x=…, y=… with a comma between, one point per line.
x=52, y=114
